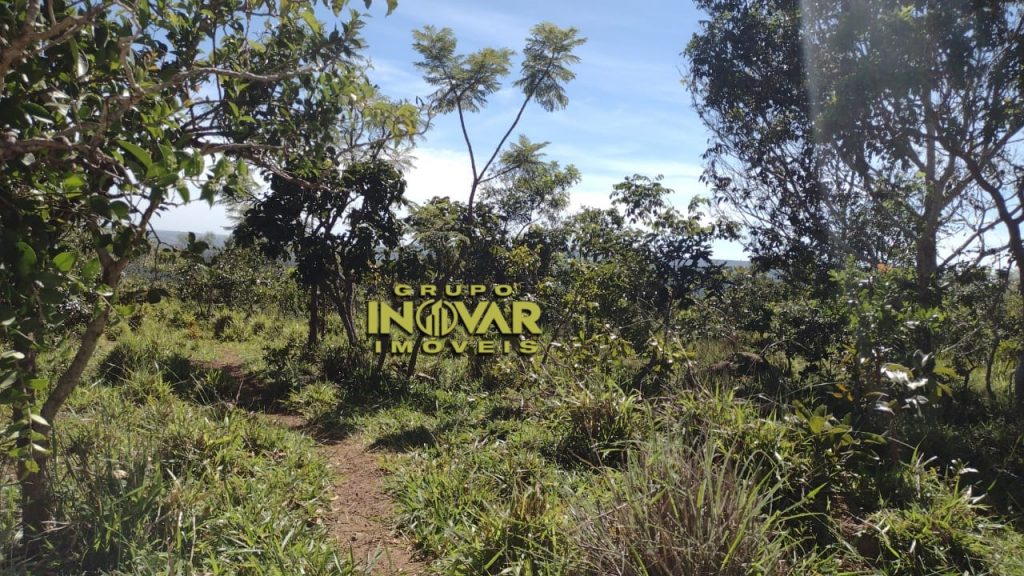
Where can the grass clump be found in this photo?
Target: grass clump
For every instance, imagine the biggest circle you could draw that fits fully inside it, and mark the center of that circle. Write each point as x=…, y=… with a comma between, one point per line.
x=683, y=510
x=318, y=403
x=598, y=424
x=943, y=529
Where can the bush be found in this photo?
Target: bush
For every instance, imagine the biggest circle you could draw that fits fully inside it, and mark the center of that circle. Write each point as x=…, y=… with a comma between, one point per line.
x=599, y=425
x=316, y=402
x=680, y=510
x=942, y=530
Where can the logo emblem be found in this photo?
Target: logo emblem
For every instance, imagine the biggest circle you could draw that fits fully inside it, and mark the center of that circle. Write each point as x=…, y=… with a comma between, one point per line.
x=437, y=318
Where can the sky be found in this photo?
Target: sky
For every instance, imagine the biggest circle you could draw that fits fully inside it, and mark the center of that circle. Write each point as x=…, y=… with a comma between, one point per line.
x=628, y=109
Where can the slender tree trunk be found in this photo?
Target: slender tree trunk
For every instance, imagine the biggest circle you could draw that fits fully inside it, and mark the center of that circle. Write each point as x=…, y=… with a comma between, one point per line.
x=1018, y=373
x=314, y=318
x=378, y=369
x=35, y=502
x=989, y=361
x=35, y=493
x=411, y=368
x=926, y=268
x=343, y=304
x=347, y=318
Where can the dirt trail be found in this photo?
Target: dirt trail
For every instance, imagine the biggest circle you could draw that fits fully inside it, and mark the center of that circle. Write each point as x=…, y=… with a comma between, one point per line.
x=360, y=512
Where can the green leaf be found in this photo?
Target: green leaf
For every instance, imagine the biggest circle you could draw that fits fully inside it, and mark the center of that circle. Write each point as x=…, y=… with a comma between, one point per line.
x=64, y=261
x=314, y=25
x=120, y=209
x=81, y=65
x=816, y=424
x=32, y=109
x=392, y=4
x=138, y=152
x=100, y=205
x=74, y=182
x=91, y=269
x=28, y=258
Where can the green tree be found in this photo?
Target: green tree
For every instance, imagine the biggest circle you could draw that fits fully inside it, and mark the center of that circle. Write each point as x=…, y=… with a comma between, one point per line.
x=110, y=113
x=464, y=82
x=526, y=189
x=334, y=228
x=835, y=122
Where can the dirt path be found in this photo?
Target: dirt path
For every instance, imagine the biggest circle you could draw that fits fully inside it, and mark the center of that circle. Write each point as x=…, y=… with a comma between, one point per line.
x=360, y=513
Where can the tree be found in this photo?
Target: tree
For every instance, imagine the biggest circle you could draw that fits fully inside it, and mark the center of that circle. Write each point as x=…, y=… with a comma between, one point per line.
x=829, y=121
x=465, y=81
x=919, y=101
x=335, y=231
x=676, y=246
x=463, y=84
x=527, y=189
x=110, y=113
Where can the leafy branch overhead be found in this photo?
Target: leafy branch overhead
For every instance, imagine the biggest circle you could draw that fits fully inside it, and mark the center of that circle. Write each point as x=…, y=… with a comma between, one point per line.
x=112, y=112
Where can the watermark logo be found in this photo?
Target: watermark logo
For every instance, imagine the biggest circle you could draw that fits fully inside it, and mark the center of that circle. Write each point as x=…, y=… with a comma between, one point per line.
x=450, y=317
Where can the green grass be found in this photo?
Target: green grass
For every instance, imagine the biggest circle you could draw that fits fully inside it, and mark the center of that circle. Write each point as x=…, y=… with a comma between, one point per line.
x=153, y=484
x=564, y=468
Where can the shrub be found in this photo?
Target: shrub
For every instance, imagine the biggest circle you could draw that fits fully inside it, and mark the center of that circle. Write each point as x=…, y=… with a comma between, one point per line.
x=680, y=510
x=598, y=425
x=943, y=529
x=316, y=402
x=221, y=324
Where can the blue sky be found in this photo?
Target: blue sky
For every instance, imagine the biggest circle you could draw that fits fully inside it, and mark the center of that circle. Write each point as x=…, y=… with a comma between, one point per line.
x=628, y=111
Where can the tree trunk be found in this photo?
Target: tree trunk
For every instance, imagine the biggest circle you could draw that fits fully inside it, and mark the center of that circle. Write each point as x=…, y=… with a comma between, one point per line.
x=926, y=268
x=989, y=361
x=347, y=317
x=343, y=304
x=1018, y=373
x=35, y=502
x=411, y=368
x=378, y=369
x=314, y=318
x=35, y=493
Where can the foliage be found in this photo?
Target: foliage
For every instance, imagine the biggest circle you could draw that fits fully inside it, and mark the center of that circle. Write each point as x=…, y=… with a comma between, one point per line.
x=943, y=528
x=113, y=111
x=150, y=483
x=334, y=230
x=683, y=510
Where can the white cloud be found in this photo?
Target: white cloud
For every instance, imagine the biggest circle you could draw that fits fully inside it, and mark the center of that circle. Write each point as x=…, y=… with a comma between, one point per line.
x=397, y=80
x=438, y=172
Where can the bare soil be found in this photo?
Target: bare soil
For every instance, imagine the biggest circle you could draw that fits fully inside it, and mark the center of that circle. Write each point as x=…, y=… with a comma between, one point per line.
x=361, y=514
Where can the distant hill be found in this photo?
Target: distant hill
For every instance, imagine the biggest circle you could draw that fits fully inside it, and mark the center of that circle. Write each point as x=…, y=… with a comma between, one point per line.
x=732, y=263
x=178, y=238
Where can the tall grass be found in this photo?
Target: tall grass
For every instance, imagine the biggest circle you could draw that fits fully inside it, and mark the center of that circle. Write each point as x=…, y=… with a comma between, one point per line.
x=683, y=510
